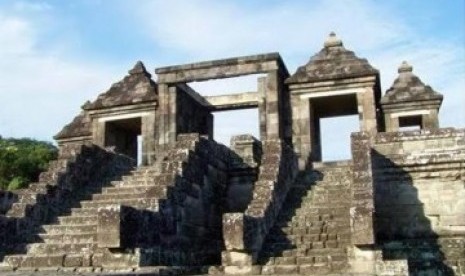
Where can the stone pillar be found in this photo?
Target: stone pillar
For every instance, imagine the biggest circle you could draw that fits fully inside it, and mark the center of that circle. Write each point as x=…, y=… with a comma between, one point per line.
x=315, y=135
x=301, y=129
x=162, y=113
x=98, y=132
x=392, y=124
x=262, y=106
x=148, y=139
x=172, y=115
x=367, y=110
x=430, y=121
x=362, y=255
x=272, y=106
x=166, y=115
x=362, y=191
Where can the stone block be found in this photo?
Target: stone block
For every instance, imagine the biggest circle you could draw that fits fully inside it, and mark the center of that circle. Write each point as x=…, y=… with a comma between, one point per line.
x=233, y=258
x=233, y=231
x=314, y=270
x=286, y=269
x=73, y=260
x=242, y=270
x=109, y=226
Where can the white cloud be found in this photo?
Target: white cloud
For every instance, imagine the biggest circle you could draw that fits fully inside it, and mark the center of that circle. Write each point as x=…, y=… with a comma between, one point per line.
x=205, y=28
x=41, y=90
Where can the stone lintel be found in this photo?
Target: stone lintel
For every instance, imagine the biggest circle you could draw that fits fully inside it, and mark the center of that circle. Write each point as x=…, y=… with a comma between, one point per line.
x=313, y=87
x=77, y=139
x=411, y=105
x=233, y=101
x=127, y=109
x=223, y=68
x=418, y=135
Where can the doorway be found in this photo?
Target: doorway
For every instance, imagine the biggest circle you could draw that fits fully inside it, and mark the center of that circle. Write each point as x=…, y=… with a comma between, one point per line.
x=123, y=136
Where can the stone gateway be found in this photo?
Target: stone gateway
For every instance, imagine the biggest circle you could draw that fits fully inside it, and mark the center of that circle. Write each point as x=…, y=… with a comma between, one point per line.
x=264, y=205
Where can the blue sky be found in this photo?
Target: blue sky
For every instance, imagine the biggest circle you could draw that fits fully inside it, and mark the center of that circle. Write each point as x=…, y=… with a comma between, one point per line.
x=55, y=55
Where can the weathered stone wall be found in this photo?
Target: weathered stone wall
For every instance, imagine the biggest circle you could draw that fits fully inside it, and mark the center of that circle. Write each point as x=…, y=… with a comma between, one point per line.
x=420, y=198
x=192, y=117
x=244, y=233
x=190, y=204
x=243, y=171
x=79, y=168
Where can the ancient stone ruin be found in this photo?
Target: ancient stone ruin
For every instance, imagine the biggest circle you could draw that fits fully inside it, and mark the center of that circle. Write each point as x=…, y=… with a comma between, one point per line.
x=264, y=205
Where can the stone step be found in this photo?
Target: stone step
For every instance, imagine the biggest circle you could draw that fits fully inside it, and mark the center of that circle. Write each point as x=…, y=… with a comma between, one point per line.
x=89, y=211
x=329, y=214
x=157, y=180
x=148, y=202
x=311, y=215
x=287, y=250
x=69, y=229
x=329, y=180
x=145, y=171
x=308, y=238
x=309, y=269
x=26, y=261
x=316, y=229
x=40, y=187
x=126, y=189
x=323, y=200
x=304, y=242
x=303, y=260
x=60, y=248
x=303, y=223
x=330, y=187
x=152, y=192
x=121, y=196
x=69, y=238
x=53, y=260
x=78, y=220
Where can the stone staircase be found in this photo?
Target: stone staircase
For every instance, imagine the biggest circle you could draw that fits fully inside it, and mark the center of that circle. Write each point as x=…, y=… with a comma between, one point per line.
x=72, y=241
x=153, y=207
x=79, y=171
x=312, y=231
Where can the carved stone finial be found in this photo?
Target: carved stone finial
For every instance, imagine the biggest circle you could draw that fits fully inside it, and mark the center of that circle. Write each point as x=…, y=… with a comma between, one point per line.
x=333, y=41
x=139, y=68
x=405, y=67
x=86, y=105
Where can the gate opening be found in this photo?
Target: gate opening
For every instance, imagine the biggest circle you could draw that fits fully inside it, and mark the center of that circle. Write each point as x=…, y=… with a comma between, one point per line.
x=335, y=137
x=235, y=122
x=122, y=135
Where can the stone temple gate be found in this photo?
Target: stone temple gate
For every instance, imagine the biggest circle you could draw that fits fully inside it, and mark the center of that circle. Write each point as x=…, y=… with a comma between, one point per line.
x=262, y=206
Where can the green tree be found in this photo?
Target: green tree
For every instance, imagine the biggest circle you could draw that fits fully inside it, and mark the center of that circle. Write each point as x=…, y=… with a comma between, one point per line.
x=22, y=160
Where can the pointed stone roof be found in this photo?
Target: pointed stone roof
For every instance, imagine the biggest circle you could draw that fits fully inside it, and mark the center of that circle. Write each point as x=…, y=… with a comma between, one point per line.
x=332, y=62
x=407, y=87
x=136, y=87
x=80, y=126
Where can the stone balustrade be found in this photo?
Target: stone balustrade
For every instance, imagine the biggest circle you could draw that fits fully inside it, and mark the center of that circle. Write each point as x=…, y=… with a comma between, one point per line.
x=245, y=232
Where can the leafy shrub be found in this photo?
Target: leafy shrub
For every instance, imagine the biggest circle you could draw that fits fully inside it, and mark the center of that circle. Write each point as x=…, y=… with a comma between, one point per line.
x=22, y=160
